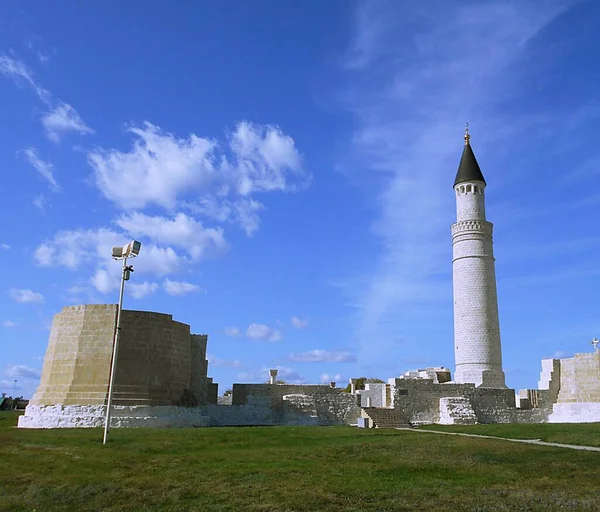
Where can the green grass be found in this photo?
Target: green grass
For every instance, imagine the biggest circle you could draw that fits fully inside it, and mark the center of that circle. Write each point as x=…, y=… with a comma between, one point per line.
x=286, y=469
x=585, y=434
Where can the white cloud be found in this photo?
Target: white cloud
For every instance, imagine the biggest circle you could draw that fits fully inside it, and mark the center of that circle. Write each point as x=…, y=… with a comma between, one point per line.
x=232, y=331
x=299, y=323
x=61, y=119
x=9, y=323
x=157, y=169
x=19, y=71
x=141, y=290
x=326, y=378
x=179, y=287
x=26, y=296
x=46, y=169
x=6, y=247
x=263, y=332
x=20, y=371
x=179, y=231
x=161, y=169
x=215, y=361
x=323, y=356
x=264, y=158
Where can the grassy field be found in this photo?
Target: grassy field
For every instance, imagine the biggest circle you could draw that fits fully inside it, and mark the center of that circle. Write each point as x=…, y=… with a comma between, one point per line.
x=286, y=469
x=585, y=434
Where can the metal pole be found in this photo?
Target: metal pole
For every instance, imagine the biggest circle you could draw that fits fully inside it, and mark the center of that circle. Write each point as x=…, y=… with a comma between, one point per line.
x=114, y=356
x=14, y=400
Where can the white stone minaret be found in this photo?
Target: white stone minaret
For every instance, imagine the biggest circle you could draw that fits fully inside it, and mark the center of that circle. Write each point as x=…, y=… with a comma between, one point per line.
x=477, y=348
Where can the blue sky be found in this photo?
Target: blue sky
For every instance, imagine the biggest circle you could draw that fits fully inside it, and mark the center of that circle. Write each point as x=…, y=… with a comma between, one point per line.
x=288, y=167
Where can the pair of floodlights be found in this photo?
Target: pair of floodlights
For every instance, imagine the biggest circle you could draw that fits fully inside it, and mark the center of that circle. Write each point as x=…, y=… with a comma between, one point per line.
x=130, y=250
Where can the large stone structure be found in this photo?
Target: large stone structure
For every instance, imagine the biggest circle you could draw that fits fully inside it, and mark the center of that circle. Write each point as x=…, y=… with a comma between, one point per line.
x=159, y=362
x=477, y=348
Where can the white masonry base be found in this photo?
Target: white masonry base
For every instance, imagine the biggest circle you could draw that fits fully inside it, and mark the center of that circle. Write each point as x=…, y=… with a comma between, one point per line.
x=88, y=416
x=456, y=411
x=575, y=412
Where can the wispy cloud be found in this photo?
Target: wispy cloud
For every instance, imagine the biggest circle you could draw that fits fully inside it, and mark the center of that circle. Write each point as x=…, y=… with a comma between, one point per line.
x=231, y=363
x=46, y=169
x=417, y=75
x=141, y=290
x=326, y=378
x=263, y=332
x=299, y=323
x=323, y=356
x=178, y=288
x=9, y=324
x=61, y=119
x=26, y=296
x=20, y=371
x=18, y=71
x=40, y=203
x=232, y=331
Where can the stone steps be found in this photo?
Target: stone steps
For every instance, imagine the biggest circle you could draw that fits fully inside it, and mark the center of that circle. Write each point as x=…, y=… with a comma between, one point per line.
x=386, y=418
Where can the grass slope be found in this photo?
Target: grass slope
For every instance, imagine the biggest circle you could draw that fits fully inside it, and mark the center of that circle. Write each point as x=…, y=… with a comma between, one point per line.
x=286, y=469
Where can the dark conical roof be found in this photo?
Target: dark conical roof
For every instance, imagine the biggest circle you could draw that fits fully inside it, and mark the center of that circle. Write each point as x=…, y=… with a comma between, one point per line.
x=468, y=169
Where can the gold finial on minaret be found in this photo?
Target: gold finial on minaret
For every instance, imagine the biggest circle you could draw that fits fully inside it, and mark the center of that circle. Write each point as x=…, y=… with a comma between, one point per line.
x=467, y=136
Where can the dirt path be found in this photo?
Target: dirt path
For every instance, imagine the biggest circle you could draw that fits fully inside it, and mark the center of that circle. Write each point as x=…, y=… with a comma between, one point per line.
x=527, y=441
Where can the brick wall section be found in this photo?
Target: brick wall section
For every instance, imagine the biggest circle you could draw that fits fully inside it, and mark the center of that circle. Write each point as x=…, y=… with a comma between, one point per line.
x=476, y=325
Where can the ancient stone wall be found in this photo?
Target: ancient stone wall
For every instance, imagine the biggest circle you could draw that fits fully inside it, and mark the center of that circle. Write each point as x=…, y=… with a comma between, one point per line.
x=158, y=359
x=300, y=404
x=418, y=400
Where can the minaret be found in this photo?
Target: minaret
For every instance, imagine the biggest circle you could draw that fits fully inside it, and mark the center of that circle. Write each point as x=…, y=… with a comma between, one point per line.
x=477, y=348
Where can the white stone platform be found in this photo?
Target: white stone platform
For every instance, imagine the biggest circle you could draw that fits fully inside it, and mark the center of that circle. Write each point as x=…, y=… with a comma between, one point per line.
x=88, y=416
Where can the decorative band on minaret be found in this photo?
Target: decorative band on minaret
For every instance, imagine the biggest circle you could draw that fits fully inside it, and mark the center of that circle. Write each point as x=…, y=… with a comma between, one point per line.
x=477, y=348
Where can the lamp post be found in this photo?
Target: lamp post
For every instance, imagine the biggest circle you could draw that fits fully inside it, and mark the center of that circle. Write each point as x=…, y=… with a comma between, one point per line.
x=131, y=250
x=14, y=400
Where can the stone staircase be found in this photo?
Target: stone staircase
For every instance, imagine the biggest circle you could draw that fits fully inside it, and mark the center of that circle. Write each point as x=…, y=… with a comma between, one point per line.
x=385, y=418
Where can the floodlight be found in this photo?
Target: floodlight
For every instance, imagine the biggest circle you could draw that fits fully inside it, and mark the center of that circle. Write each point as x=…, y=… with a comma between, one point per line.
x=117, y=252
x=132, y=249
